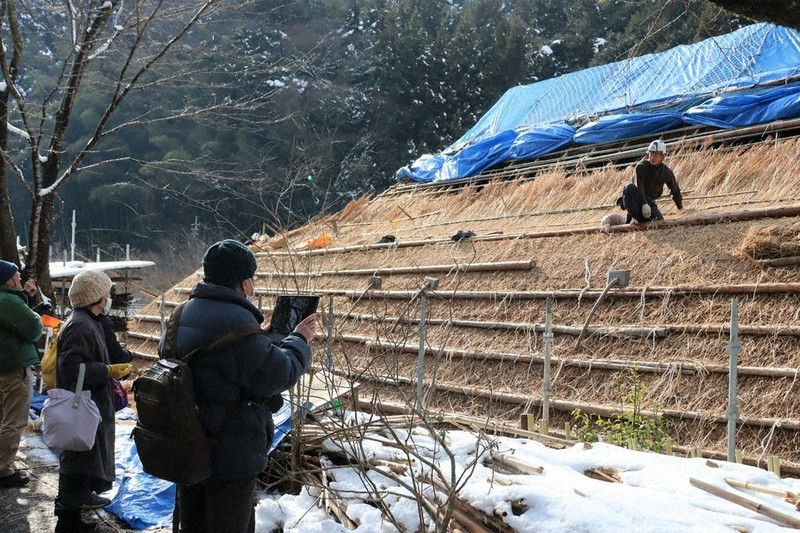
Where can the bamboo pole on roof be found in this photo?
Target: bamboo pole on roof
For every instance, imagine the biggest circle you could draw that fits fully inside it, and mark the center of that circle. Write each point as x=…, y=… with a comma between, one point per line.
x=780, y=262
x=567, y=406
x=655, y=291
x=658, y=331
x=418, y=269
x=636, y=331
x=689, y=220
x=600, y=364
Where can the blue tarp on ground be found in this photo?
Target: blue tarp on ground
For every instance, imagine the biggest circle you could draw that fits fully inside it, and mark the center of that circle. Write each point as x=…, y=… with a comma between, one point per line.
x=638, y=88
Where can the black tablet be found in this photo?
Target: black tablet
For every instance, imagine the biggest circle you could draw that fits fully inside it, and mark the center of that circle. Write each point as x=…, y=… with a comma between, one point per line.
x=289, y=311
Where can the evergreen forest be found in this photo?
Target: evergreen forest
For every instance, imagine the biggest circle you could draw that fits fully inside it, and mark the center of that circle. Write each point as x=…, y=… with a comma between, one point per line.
x=341, y=94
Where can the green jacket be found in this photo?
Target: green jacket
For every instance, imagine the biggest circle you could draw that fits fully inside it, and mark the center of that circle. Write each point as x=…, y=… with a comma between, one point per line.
x=20, y=328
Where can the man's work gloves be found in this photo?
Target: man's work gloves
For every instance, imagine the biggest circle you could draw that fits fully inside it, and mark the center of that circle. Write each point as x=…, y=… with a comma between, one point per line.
x=119, y=370
x=646, y=211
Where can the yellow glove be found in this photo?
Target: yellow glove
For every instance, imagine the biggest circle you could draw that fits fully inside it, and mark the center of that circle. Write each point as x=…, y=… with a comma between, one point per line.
x=120, y=370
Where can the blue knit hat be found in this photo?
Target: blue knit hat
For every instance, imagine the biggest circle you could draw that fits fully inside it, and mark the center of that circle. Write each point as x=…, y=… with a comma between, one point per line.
x=7, y=271
x=228, y=263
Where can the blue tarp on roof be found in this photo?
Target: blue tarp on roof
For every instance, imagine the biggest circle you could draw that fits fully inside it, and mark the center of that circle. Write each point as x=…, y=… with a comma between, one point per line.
x=629, y=97
x=627, y=126
x=735, y=111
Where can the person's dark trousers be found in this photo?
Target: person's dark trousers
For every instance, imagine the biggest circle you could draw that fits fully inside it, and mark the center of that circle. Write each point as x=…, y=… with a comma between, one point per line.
x=72, y=491
x=632, y=201
x=216, y=506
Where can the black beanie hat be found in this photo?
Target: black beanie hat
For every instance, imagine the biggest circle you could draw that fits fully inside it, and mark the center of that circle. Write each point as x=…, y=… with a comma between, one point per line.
x=228, y=263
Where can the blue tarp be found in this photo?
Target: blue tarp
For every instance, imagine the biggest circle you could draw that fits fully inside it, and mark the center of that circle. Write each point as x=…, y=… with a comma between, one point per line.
x=142, y=501
x=736, y=111
x=628, y=99
x=626, y=126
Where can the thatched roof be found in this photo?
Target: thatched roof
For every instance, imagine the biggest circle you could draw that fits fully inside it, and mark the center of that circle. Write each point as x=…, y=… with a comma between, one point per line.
x=538, y=236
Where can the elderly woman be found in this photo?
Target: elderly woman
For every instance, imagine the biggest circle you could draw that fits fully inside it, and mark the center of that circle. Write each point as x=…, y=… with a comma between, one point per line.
x=82, y=341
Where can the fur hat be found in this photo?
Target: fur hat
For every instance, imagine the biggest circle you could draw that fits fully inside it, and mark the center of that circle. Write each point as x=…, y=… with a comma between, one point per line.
x=7, y=271
x=227, y=263
x=88, y=288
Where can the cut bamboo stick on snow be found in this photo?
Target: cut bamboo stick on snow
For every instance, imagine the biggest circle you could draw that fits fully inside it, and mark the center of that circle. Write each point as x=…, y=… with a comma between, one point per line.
x=759, y=488
x=747, y=503
x=516, y=465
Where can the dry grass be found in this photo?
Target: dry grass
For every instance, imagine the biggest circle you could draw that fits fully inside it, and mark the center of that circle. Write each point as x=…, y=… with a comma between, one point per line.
x=770, y=242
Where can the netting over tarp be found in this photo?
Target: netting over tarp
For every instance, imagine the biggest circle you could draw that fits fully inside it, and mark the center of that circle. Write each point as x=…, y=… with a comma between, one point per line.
x=686, y=80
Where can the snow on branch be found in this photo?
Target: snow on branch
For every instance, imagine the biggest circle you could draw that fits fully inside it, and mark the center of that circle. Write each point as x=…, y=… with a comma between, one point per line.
x=17, y=131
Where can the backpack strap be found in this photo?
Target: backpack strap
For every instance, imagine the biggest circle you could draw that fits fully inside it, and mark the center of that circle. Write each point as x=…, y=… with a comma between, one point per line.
x=171, y=333
x=225, y=341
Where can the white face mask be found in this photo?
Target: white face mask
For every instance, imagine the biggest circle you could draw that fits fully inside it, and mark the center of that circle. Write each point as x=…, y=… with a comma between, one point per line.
x=249, y=296
x=107, y=306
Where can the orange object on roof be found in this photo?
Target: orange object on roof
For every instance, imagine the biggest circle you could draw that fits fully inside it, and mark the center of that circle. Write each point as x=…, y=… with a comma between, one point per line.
x=318, y=242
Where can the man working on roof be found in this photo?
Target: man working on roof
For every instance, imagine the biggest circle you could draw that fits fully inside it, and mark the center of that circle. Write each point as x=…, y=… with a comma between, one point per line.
x=639, y=196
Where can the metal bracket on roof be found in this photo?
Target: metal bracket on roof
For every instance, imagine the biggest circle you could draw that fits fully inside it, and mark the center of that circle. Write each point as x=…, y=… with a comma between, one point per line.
x=618, y=278
x=622, y=277
x=375, y=282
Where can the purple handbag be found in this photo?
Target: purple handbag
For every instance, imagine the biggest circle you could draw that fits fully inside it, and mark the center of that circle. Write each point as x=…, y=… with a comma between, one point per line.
x=120, y=395
x=70, y=419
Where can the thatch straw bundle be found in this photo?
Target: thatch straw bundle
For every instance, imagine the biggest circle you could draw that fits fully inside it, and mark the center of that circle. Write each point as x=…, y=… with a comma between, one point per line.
x=772, y=241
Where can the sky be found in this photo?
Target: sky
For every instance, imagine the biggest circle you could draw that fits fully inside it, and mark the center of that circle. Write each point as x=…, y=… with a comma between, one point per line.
x=655, y=494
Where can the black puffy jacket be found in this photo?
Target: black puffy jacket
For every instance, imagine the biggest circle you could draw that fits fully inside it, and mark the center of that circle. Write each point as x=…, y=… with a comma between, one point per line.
x=233, y=386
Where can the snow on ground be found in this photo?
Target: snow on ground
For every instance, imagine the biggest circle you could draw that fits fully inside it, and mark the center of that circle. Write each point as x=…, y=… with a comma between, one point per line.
x=655, y=494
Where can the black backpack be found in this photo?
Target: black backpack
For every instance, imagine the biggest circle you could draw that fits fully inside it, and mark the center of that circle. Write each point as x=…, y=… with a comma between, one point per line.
x=169, y=437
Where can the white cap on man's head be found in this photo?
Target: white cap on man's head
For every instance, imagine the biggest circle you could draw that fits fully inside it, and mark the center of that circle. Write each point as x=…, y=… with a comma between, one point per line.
x=657, y=146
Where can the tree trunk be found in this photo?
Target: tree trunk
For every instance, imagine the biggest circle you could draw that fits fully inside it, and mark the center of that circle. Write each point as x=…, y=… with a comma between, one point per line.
x=38, y=265
x=8, y=238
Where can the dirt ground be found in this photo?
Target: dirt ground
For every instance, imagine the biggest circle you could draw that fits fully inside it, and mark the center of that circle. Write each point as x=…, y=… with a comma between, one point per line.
x=30, y=509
